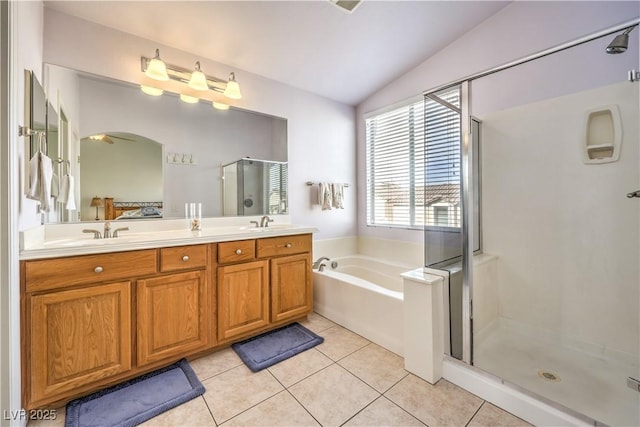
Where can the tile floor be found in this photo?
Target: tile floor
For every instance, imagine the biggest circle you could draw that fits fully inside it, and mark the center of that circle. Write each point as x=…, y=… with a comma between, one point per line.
x=345, y=381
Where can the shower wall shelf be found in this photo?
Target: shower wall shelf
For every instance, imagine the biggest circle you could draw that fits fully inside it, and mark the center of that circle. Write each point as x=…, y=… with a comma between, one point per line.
x=602, y=135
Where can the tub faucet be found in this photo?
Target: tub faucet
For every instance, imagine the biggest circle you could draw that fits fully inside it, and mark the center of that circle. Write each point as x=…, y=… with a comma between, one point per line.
x=318, y=262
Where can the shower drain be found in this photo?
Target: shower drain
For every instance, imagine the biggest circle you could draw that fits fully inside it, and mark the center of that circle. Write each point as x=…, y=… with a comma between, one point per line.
x=549, y=376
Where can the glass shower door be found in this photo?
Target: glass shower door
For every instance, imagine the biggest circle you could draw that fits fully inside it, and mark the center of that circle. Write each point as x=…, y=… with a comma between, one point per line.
x=556, y=292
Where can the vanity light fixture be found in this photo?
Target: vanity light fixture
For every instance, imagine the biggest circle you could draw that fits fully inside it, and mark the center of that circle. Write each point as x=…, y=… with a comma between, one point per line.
x=188, y=99
x=156, y=69
x=220, y=105
x=233, y=88
x=198, y=80
x=185, y=82
x=151, y=90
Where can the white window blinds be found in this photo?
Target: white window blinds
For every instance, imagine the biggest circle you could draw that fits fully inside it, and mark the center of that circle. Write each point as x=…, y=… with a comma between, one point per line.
x=398, y=151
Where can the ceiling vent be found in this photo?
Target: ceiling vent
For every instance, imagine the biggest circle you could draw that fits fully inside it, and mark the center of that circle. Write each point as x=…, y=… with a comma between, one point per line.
x=347, y=5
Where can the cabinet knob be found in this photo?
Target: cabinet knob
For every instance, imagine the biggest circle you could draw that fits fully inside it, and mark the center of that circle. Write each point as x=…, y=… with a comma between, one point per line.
x=98, y=269
x=288, y=245
x=238, y=251
x=185, y=258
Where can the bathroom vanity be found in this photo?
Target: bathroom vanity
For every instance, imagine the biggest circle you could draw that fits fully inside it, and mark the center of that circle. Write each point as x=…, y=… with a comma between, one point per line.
x=94, y=320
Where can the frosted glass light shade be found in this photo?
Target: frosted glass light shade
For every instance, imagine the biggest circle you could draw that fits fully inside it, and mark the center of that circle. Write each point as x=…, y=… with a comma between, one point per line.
x=156, y=69
x=151, y=90
x=220, y=105
x=188, y=99
x=233, y=88
x=198, y=80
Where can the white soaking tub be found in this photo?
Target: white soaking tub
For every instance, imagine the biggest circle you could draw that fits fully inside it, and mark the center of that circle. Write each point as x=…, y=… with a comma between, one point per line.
x=365, y=295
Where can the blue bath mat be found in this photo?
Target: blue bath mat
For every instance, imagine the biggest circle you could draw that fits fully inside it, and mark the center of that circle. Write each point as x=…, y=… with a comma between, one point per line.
x=275, y=346
x=137, y=400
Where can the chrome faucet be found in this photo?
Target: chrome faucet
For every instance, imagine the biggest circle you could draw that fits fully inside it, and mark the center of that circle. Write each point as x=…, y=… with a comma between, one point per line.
x=107, y=230
x=318, y=263
x=96, y=233
x=265, y=220
x=255, y=222
x=118, y=230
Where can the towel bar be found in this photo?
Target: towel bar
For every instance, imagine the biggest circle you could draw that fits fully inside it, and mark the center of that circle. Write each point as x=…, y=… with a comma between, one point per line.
x=309, y=183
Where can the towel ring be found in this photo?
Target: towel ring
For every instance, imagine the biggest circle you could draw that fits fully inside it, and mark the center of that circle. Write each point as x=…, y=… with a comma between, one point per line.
x=42, y=140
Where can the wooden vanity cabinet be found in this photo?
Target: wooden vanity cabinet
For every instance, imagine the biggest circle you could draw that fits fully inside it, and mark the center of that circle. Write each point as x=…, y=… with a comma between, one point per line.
x=290, y=275
x=172, y=309
x=77, y=322
x=91, y=321
x=78, y=337
x=243, y=290
x=271, y=285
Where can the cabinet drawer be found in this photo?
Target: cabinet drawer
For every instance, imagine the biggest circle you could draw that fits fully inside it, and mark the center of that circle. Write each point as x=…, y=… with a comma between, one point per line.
x=285, y=245
x=77, y=270
x=241, y=250
x=183, y=257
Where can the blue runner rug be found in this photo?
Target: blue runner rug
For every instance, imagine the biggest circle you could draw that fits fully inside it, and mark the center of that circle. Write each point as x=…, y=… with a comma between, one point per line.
x=275, y=346
x=138, y=400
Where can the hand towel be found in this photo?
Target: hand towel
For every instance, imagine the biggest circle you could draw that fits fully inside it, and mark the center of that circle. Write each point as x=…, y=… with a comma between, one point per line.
x=40, y=176
x=55, y=185
x=337, y=193
x=324, y=195
x=67, y=193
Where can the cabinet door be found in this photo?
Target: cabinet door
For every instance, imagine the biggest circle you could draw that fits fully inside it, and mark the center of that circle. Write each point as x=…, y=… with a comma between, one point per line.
x=78, y=337
x=291, y=287
x=171, y=316
x=243, y=298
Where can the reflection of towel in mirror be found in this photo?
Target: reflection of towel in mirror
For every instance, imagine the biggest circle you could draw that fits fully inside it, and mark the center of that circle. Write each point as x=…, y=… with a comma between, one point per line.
x=324, y=195
x=55, y=185
x=40, y=176
x=67, y=193
x=337, y=191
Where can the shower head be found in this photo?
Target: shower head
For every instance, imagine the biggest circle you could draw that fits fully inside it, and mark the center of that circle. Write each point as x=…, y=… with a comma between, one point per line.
x=620, y=42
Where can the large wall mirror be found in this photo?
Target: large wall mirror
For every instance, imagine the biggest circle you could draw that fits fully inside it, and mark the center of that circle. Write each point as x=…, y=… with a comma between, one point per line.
x=134, y=149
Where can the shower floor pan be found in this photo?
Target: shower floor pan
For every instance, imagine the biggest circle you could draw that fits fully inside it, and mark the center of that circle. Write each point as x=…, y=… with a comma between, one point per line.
x=589, y=384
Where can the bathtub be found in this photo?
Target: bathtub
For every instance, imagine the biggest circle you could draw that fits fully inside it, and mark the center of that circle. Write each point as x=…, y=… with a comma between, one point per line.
x=365, y=295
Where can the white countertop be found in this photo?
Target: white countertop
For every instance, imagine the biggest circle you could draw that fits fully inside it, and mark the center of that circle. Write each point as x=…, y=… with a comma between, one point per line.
x=56, y=240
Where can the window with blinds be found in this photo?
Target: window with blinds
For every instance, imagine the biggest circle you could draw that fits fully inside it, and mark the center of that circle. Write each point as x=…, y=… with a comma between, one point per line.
x=413, y=164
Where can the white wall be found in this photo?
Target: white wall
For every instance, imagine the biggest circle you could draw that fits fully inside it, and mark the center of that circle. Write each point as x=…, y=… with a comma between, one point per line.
x=321, y=140
x=565, y=235
x=26, y=46
x=520, y=29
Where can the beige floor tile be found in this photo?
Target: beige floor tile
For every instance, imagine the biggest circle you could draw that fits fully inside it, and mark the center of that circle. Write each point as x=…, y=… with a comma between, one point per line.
x=193, y=413
x=299, y=367
x=340, y=342
x=443, y=404
x=333, y=395
x=375, y=365
x=492, y=416
x=317, y=323
x=279, y=410
x=383, y=412
x=237, y=390
x=215, y=363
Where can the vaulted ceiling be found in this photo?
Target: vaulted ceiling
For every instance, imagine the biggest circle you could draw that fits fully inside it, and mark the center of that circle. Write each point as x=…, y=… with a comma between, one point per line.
x=311, y=45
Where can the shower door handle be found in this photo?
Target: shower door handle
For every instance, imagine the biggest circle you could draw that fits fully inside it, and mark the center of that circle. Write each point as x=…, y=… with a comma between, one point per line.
x=633, y=194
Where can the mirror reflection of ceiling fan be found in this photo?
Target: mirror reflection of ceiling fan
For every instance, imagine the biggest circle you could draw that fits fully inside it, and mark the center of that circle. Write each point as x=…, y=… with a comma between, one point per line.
x=108, y=138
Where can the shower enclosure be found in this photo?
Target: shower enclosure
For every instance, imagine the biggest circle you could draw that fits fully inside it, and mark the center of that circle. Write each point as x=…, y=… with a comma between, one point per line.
x=544, y=267
x=254, y=187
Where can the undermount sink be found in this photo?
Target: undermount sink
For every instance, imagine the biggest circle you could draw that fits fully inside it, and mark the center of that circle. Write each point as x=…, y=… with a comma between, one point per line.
x=272, y=227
